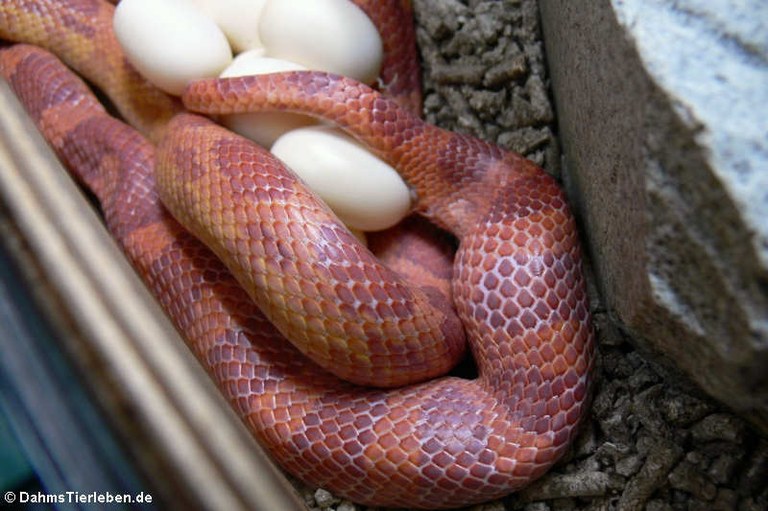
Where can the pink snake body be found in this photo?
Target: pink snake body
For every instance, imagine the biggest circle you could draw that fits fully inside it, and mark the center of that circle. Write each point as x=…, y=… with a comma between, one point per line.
x=517, y=283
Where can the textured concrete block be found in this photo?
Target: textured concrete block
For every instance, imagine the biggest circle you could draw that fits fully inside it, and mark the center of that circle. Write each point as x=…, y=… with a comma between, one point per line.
x=663, y=109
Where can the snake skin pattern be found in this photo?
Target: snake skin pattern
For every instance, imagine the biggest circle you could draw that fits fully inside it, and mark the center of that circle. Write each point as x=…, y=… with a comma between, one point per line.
x=517, y=280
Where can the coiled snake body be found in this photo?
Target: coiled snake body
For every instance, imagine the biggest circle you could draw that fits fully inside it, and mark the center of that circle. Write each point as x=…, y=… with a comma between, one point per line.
x=517, y=283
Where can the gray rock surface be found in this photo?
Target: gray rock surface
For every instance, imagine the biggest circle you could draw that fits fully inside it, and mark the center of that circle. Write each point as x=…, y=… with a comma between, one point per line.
x=662, y=109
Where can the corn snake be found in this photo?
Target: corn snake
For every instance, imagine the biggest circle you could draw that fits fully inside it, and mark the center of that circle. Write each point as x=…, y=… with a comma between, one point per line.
x=518, y=288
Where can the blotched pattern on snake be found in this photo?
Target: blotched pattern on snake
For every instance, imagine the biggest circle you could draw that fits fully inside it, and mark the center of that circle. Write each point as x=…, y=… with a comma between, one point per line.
x=517, y=283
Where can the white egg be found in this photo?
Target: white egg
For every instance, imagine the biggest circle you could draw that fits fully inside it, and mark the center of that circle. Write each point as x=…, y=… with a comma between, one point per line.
x=255, y=61
x=170, y=42
x=238, y=19
x=363, y=191
x=326, y=35
x=262, y=127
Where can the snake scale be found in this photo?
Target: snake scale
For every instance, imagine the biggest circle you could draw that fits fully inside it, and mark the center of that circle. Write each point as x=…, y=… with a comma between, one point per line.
x=517, y=282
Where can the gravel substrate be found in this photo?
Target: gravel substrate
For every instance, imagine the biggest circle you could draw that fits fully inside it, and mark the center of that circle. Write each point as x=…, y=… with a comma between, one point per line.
x=651, y=442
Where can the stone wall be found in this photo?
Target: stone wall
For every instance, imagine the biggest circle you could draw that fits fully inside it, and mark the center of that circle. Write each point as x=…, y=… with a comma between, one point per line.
x=662, y=109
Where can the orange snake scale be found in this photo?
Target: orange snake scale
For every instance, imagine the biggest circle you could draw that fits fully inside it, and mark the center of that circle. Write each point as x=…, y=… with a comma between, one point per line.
x=517, y=284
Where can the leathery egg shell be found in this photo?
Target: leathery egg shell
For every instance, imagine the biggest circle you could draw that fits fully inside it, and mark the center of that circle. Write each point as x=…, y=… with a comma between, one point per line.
x=262, y=127
x=325, y=35
x=238, y=19
x=363, y=191
x=170, y=42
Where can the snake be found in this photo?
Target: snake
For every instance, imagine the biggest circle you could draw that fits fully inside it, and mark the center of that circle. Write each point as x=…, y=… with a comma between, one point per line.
x=220, y=232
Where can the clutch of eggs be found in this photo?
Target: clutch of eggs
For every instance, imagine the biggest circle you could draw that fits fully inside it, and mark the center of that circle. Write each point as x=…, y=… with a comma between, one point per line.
x=173, y=42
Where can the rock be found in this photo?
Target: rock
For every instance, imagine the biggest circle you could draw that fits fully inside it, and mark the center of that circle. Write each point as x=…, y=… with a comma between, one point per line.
x=629, y=466
x=722, y=468
x=537, y=506
x=688, y=478
x=650, y=477
x=757, y=471
x=718, y=426
x=662, y=109
x=725, y=501
x=658, y=505
x=324, y=498
x=681, y=409
x=581, y=484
